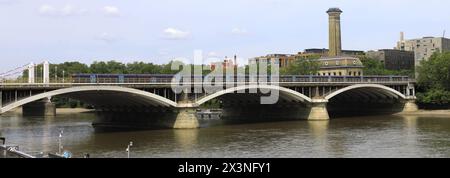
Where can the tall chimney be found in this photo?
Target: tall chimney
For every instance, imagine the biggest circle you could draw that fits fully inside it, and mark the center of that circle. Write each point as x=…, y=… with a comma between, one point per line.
x=334, y=20
x=402, y=36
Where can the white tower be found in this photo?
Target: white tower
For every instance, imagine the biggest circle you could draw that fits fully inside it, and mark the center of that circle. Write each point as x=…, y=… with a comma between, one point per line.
x=46, y=72
x=31, y=73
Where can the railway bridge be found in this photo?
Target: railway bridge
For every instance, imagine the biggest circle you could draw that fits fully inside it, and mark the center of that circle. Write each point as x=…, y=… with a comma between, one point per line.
x=298, y=97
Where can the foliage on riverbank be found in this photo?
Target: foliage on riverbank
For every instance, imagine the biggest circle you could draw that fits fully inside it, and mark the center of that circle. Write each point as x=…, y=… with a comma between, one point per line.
x=434, y=81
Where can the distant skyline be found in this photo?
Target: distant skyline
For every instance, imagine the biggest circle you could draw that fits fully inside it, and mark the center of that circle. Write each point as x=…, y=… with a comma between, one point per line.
x=158, y=31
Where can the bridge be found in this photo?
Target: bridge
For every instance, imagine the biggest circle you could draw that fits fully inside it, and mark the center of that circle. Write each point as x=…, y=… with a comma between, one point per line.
x=300, y=97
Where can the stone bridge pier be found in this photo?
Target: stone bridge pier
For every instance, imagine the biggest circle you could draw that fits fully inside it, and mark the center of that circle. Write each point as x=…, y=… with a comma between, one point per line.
x=186, y=113
x=43, y=107
x=318, y=110
x=186, y=119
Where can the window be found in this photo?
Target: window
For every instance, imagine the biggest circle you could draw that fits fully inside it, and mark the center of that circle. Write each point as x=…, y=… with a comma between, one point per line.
x=326, y=63
x=354, y=62
x=334, y=73
x=340, y=73
x=350, y=73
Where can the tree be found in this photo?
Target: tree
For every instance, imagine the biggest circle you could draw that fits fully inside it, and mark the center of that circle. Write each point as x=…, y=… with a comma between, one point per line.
x=110, y=67
x=373, y=67
x=435, y=97
x=301, y=66
x=376, y=67
x=142, y=68
x=434, y=80
x=99, y=67
x=435, y=72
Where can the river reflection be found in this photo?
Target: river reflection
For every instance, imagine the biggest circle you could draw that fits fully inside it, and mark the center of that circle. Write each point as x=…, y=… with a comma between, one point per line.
x=377, y=136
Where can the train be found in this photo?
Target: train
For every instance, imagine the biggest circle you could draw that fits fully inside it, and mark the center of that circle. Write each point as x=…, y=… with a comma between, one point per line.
x=122, y=78
x=146, y=78
x=167, y=78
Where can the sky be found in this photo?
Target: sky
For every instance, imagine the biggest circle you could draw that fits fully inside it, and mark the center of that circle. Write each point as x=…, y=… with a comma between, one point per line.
x=158, y=31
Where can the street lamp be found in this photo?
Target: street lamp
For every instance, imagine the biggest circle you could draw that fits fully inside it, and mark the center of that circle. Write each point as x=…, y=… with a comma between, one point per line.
x=63, y=76
x=59, y=141
x=128, y=149
x=42, y=73
x=56, y=74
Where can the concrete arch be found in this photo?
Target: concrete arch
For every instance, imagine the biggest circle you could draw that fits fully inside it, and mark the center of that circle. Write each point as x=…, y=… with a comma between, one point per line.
x=289, y=92
x=147, y=95
x=382, y=87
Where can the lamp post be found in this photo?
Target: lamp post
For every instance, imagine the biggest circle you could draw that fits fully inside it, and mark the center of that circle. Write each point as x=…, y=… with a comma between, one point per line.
x=60, y=142
x=56, y=74
x=42, y=73
x=128, y=149
x=63, y=76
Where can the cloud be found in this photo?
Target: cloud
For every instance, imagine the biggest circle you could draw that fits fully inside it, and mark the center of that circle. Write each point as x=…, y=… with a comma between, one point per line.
x=67, y=10
x=106, y=37
x=8, y=2
x=47, y=10
x=176, y=34
x=239, y=31
x=212, y=54
x=163, y=52
x=111, y=11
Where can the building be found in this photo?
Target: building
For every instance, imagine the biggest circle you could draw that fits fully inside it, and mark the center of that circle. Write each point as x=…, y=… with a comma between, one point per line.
x=227, y=63
x=340, y=66
x=394, y=59
x=283, y=60
x=333, y=61
x=325, y=52
x=424, y=47
x=337, y=63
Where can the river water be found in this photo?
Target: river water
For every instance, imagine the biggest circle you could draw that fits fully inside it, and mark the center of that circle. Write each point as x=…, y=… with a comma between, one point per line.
x=376, y=136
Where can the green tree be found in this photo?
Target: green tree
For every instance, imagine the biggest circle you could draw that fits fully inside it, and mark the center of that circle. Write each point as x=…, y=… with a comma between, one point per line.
x=376, y=67
x=99, y=67
x=434, y=80
x=301, y=66
x=142, y=68
x=435, y=97
x=435, y=72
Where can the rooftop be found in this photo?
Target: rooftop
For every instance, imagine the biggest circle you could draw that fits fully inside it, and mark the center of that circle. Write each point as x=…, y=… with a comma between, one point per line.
x=334, y=9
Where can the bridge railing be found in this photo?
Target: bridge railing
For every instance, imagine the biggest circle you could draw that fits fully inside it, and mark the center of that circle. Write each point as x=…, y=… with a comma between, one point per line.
x=168, y=79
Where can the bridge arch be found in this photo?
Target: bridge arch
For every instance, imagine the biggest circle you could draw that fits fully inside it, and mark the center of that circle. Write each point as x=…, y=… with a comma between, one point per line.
x=386, y=90
x=291, y=93
x=150, y=97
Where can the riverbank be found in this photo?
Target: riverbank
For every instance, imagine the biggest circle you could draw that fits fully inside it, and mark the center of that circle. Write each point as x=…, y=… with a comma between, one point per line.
x=73, y=110
x=60, y=110
x=441, y=113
